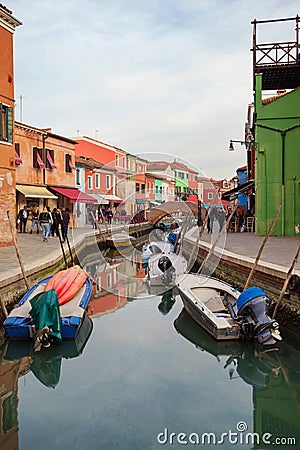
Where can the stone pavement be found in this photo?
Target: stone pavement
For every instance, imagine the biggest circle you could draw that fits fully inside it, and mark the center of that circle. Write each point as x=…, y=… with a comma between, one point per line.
x=278, y=250
x=34, y=252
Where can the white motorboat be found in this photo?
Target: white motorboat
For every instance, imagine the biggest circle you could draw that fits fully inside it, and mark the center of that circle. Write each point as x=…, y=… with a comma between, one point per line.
x=155, y=248
x=163, y=269
x=225, y=312
x=120, y=241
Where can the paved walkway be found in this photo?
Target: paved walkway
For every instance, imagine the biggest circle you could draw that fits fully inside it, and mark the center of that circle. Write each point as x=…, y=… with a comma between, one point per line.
x=35, y=252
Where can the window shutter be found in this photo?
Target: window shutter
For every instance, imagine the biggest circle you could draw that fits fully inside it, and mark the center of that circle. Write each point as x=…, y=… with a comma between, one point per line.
x=1, y=125
x=10, y=125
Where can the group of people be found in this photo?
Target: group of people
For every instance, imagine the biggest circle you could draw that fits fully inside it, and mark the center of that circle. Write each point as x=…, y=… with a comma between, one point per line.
x=238, y=221
x=49, y=222
x=101, y=215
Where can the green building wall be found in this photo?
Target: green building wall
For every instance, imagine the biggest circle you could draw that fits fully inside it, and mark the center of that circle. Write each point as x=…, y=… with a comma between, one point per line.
x=158, y=190
x=277, y=171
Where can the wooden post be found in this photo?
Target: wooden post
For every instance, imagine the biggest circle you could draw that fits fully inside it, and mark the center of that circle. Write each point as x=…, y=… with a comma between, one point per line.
x=285, y=284
x=97, y=225
x=17, y=251
x=3, y=308
x=201, y=231
x=262, y=247
x=182, y=232
x=216, y=241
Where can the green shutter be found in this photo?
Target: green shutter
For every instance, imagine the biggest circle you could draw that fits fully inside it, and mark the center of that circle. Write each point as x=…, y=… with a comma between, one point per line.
x=9, y=124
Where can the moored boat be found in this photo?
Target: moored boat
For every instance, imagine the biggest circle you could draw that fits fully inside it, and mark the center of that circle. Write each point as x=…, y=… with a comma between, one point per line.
x=49, y=316
x=120, y=241
x=226, y=313
x=155, y=248
x=163, y=269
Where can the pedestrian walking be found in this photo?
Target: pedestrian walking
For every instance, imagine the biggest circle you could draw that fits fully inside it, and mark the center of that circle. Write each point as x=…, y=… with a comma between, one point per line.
x=65, y=220
x=103, y=215
x=22, y=219
x=45, y=221
x=35, y=220
x=56, y=221
x=109, y=214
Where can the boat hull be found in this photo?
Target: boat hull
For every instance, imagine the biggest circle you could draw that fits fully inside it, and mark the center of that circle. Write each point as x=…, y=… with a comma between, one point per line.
x=19, y=325
x=218, y=324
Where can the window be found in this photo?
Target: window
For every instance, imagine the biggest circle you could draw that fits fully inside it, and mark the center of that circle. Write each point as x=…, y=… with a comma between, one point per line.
x=137, y=187
x=78, y=177
x=210, y=196
x=107, y=181
x=117, y=160
x=68, y=163
x=90, y=182
x=156, y=189
x=37, y=158
x=6, y=123
x=97, y=180
x=143, y=188
x=18, y=160
x=123, y=161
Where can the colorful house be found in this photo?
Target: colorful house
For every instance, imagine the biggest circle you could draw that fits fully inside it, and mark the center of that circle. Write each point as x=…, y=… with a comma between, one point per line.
x=8, y=24
x=45, y=170
x=276, y=128
x=277, y=173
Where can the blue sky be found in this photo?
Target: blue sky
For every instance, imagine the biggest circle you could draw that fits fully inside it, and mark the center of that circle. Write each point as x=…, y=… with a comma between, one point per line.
x=166, y=77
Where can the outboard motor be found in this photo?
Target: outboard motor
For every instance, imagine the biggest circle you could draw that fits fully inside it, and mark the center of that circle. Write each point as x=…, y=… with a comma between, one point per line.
x=252, y=310
x=167, y=268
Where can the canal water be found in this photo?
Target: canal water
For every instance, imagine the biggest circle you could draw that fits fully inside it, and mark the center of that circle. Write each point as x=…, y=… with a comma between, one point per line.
x=143, y=375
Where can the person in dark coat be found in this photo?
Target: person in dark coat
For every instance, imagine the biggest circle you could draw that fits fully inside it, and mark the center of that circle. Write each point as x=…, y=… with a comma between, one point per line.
x=56, y=218
x=22, y=219
x=65, y=220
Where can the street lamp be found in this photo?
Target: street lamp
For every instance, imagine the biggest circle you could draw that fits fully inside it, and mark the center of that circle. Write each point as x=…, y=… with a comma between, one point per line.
x=231, y=147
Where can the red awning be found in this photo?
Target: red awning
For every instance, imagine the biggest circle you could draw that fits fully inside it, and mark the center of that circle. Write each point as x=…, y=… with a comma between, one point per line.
x=18, y=159
x=71, y=165
x=40, y=161
x=75, y=195
x=53, y=166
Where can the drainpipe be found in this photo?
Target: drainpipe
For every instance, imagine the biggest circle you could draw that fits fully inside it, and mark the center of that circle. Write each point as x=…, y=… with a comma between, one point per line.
x=283, y=134
x=44, y=137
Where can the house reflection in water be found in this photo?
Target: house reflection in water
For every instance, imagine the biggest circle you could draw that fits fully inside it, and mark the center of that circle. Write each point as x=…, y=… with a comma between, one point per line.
x=10, y=372
x=117, y=281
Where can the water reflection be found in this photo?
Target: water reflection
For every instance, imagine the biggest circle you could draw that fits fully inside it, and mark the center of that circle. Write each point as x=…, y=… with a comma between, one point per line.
x=117, y=280
x=17, y=360
x=46, y=364
x=273, y=374
x=167, y=302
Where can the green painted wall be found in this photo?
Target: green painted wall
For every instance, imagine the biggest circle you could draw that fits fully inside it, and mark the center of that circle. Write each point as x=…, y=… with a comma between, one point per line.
x=277, y=172
x=158, y=190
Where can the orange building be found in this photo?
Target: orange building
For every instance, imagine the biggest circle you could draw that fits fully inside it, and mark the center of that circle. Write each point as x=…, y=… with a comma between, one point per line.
x=8, y=23
x=43, y=160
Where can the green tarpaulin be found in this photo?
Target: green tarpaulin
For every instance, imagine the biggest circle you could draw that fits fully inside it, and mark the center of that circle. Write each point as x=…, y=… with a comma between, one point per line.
x=45, y=313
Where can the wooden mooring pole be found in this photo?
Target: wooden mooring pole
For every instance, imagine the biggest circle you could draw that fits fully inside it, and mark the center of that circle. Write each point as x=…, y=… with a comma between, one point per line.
x=262, y=247
x=201, y=230
x=217, y=239
x=17, y=251
x=285, y=284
